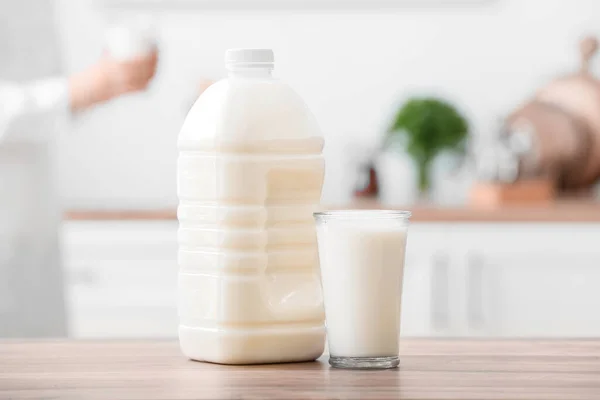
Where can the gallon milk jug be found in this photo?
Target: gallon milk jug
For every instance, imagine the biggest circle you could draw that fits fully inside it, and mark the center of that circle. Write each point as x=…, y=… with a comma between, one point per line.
x=250, y=173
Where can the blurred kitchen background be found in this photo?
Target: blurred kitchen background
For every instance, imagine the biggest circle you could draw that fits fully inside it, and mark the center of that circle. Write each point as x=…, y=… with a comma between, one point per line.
x=505, y=233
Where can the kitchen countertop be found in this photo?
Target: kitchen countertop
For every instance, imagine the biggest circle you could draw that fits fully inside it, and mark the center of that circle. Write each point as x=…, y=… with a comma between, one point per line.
x=562, y=211
x=430, y=369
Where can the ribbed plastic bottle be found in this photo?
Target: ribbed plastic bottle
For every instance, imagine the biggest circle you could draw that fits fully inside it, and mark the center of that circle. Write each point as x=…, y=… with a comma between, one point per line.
x=250, y=174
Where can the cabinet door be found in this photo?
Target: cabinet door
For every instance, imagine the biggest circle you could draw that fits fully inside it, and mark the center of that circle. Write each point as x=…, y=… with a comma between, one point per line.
x=427, y=309
x=531, y=281
x=121, y=278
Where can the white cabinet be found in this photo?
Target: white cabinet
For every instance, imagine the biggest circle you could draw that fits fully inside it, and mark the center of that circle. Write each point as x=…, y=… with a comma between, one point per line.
x=526, y=280
x=547, y=295
x=502, y=280
x=121, y=278
x=486, y=280
x=427, y=307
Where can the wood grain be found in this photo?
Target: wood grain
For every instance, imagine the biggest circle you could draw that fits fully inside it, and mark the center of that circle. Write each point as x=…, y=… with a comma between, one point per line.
x=120, y=215
x=430, y=369
x=564, y=211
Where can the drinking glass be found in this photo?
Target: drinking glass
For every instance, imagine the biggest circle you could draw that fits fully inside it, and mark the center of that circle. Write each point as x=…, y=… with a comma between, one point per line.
x=361, y=255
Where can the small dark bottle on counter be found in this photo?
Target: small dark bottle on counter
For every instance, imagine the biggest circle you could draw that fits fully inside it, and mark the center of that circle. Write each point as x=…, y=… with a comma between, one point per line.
x=367, y=185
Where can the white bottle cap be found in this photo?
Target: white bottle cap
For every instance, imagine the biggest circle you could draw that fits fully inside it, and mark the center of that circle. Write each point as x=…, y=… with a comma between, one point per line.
x=262, y=58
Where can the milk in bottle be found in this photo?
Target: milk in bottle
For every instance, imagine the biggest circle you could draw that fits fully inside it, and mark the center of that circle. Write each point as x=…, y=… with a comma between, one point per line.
x=250, y=173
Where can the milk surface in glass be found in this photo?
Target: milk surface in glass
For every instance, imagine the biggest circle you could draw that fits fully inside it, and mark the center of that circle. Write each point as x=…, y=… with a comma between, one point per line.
x=250, y=173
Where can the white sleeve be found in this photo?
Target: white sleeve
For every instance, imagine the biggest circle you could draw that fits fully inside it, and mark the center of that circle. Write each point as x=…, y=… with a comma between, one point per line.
x=33, y=111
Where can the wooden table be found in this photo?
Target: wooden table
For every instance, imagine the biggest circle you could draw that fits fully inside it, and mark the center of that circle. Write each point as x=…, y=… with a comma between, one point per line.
x=430, y=369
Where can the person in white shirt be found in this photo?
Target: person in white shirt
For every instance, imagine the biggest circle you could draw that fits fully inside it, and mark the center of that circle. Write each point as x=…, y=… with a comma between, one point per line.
x=51, y=101
x=31, y=116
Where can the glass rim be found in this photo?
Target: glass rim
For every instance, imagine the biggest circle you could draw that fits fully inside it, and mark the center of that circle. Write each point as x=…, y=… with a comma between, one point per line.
x=359, y=214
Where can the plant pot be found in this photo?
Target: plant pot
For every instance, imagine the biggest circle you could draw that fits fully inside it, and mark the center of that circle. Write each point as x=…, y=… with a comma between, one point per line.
x=450, y=181
x=397, y=178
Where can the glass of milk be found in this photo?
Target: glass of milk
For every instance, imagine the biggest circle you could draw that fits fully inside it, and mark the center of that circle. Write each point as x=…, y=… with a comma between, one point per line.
x=361, y=254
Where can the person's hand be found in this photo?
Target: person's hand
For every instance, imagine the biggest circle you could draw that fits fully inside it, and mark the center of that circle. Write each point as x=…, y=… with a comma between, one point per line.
x=128, y=76
x=111, y=78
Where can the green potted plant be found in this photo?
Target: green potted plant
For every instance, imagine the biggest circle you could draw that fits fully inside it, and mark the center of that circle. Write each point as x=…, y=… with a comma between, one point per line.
x=428, y=127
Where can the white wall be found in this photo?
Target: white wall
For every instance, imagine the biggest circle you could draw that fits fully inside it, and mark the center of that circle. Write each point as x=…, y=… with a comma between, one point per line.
x=28, y=46
x=352, y=67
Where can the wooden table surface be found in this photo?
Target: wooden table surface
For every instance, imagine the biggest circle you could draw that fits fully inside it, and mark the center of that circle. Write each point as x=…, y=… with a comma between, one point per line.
x=430, y=369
